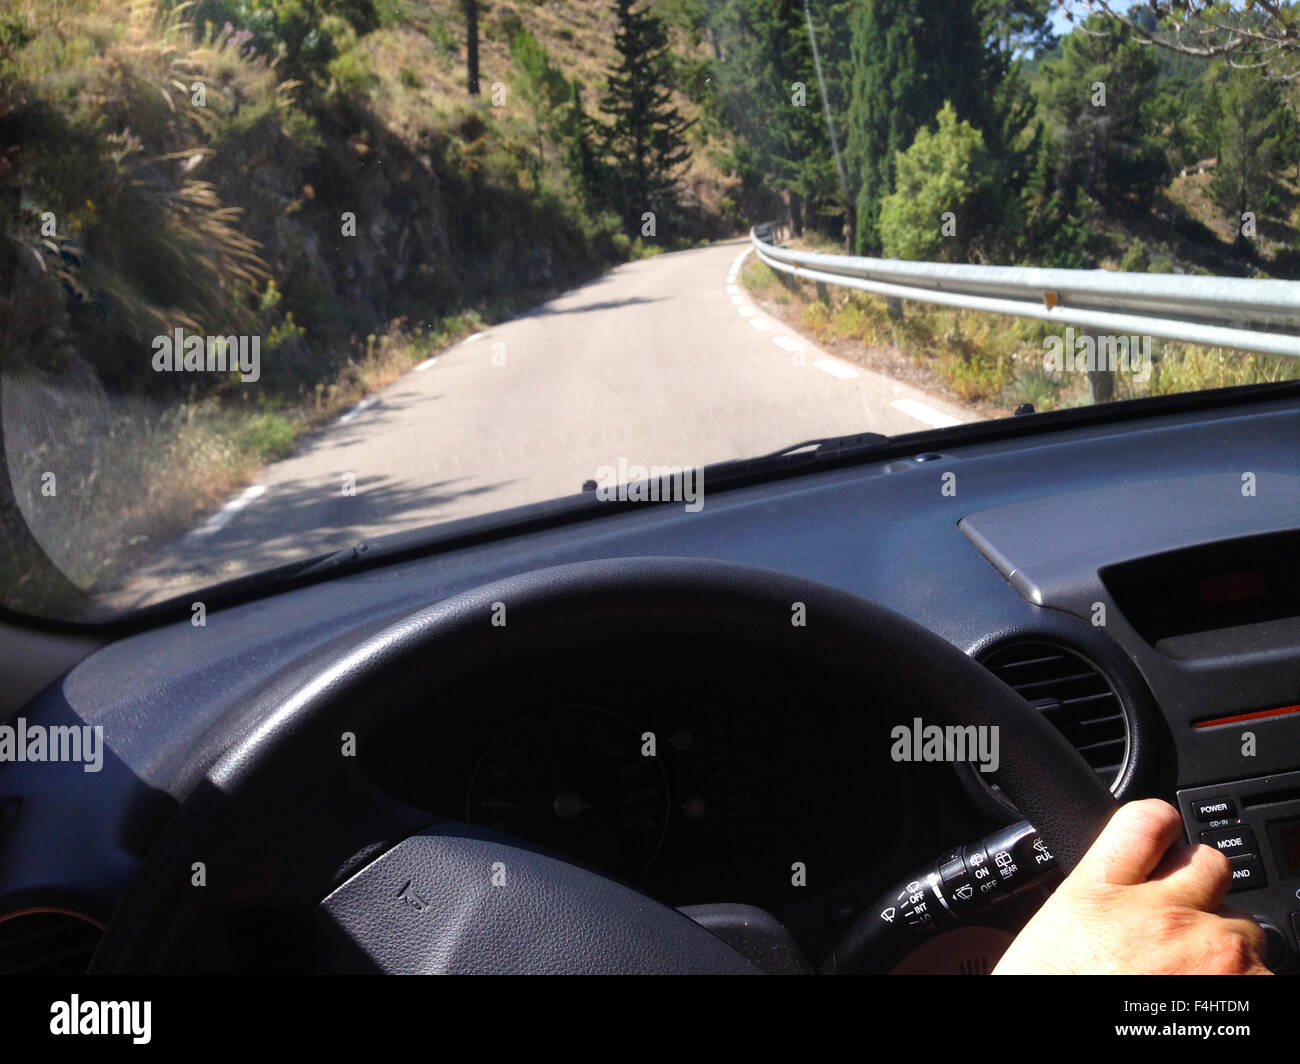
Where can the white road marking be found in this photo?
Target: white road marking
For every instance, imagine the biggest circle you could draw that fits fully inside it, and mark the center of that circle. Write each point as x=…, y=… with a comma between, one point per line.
x=222, y=517
x=747, y=312
x=738, y=300
x=928, y=414
x=759, y=324
x=733, y=289
x=365, y=404
x=425, y=364
x=471, y=339
x=788, y=342
x=835, y=369
x=734, y=271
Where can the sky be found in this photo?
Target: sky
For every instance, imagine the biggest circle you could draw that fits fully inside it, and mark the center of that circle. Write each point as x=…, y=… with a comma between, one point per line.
x=1061, y=27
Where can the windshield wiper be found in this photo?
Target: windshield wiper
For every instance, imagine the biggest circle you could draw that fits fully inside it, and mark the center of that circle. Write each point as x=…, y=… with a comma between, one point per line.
x=799, y=455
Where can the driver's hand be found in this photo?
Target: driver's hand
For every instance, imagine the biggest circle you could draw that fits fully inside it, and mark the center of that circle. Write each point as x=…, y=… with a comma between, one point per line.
x=1138, y=904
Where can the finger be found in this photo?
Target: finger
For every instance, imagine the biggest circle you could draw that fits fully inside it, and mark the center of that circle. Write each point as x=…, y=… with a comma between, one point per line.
x=1132, y=844
x=1199, y=876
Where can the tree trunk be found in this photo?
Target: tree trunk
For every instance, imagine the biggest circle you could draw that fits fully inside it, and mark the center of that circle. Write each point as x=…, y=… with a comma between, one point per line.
x=471, y=44
x=712, y=39
x=795, y=203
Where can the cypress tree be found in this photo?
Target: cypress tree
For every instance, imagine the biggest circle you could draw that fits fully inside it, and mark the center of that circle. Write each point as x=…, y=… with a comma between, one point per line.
x=1250, y=128
x=908, y=57
x=647, y=136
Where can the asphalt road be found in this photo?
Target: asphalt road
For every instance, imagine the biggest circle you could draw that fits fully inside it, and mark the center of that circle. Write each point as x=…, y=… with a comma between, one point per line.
x=664, y=361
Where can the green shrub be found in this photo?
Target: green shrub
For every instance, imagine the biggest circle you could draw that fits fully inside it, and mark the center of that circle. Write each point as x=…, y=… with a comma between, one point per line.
x=1137, y=259
x=350, y=75
x=268, y=435
x=944, y=171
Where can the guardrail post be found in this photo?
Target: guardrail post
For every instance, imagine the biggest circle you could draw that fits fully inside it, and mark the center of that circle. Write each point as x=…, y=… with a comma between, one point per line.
x=1101, y=381
x=894, y=308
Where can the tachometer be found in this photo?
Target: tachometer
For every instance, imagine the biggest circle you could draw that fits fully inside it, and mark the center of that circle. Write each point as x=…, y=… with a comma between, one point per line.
x=573, y=778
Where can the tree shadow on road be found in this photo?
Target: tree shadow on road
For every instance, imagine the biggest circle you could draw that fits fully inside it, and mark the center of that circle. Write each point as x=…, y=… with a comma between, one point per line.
x=608, y=304
x=296, y=520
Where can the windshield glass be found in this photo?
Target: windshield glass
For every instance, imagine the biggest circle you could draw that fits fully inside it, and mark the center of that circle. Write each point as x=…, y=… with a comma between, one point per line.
x=279, y=276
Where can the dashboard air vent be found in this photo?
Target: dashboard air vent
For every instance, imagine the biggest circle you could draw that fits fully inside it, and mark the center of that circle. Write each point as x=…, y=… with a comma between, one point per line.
x=47, y=942
x=1072, y=693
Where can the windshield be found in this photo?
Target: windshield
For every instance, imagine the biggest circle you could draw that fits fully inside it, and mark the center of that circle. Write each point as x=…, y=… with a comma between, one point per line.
x=280, y=276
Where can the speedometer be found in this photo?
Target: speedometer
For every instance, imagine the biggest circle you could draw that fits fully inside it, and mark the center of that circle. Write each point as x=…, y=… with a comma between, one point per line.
x=574, y=779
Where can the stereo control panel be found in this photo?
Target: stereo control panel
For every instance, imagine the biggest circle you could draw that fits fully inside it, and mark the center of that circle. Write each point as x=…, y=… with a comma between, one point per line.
x=1255, y=823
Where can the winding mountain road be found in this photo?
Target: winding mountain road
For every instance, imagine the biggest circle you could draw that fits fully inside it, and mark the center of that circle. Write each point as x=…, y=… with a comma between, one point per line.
x=664, y=361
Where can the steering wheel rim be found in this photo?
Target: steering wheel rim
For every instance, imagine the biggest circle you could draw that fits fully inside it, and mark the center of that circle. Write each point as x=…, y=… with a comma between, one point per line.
x=307, y=707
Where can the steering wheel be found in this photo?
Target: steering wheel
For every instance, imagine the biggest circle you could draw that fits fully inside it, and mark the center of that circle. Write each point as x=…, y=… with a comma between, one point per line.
x=276, y=818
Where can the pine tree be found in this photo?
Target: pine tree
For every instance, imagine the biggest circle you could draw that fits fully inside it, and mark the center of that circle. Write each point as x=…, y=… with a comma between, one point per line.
x=908, y=57
x=1101, y=99
x=1250, y=122
x=646, y=137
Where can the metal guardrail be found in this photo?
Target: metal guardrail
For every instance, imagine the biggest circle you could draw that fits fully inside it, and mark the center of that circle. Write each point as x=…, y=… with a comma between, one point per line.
x=1247, y=315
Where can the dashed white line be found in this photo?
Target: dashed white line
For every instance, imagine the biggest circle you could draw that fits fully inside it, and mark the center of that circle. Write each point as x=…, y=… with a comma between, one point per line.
x=912, y=407
x=365, y=404
x=471, y=339
x=915, y=408
x=835, y=369
x=425, y=364
x=222, y=517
